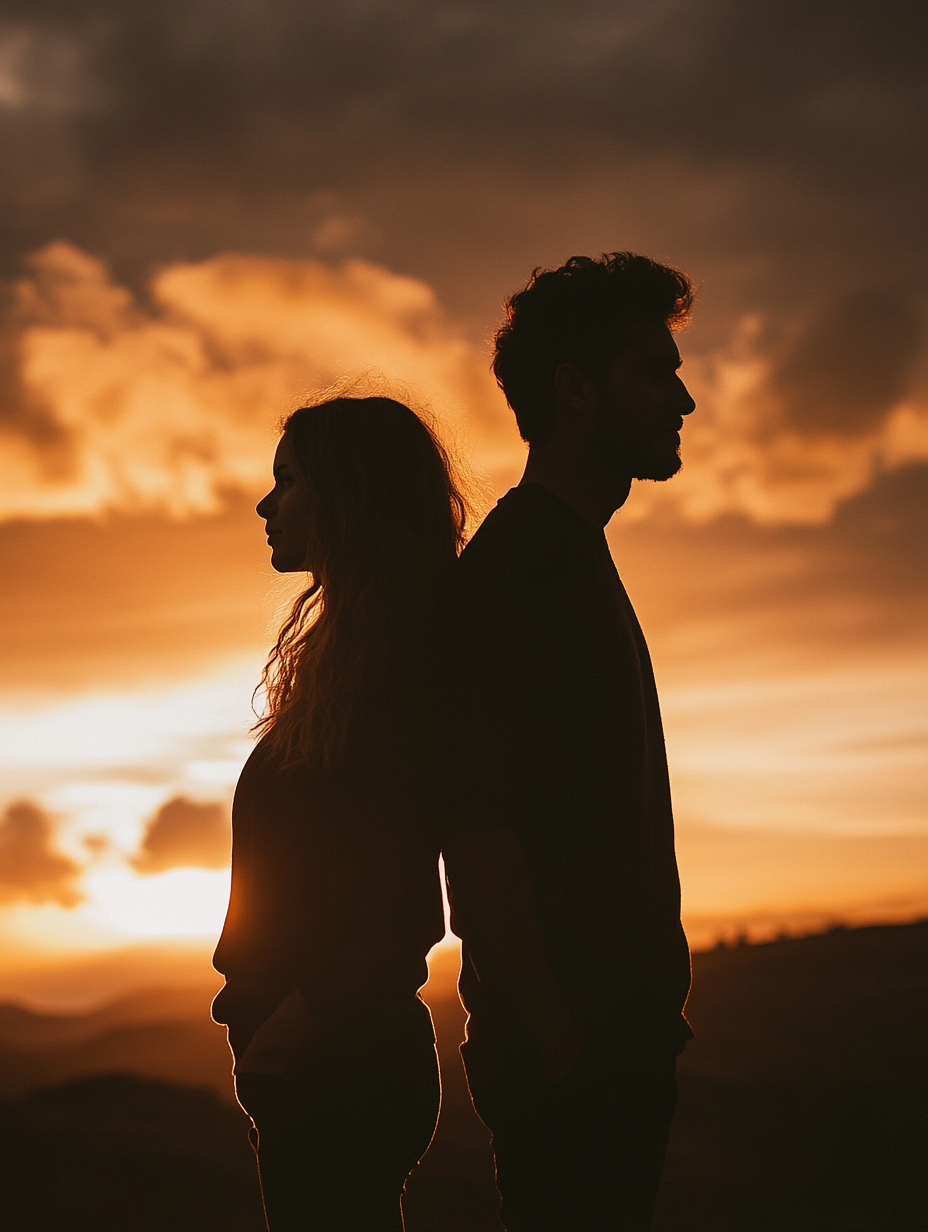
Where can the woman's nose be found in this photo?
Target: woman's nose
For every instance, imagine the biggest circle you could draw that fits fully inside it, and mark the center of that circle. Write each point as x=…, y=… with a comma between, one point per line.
x=263, y=507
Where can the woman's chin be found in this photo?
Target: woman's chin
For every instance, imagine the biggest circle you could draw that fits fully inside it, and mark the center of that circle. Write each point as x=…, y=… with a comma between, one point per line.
x=282, y=563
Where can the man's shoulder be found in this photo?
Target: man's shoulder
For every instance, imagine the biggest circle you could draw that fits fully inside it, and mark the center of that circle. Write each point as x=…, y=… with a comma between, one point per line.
x=528, y=531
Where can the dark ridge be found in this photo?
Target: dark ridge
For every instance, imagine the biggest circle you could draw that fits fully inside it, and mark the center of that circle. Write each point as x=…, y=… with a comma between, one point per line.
x=803, y=1096
x=802, y=1108
x=115, y=1151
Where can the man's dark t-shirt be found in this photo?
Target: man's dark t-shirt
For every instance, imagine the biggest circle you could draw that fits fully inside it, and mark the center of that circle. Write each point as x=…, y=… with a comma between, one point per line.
x=563, y=744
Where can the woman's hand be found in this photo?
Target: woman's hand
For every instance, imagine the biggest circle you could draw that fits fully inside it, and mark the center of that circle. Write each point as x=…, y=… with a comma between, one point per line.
x=279, y=1038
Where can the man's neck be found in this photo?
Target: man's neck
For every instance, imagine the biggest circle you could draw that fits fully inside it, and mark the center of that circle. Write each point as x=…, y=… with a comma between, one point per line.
x=593, y=496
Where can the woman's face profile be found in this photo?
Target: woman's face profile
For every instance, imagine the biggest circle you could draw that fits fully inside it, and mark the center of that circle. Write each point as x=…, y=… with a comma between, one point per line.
x=285, y=514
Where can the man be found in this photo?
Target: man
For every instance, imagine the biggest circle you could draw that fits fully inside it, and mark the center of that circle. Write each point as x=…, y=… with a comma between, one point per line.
x=562, y=871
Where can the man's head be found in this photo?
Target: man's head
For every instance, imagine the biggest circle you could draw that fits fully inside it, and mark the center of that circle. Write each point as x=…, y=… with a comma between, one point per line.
x=591, y=343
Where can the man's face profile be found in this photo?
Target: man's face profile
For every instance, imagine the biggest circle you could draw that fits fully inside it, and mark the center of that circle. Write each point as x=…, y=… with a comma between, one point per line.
x=642, y=406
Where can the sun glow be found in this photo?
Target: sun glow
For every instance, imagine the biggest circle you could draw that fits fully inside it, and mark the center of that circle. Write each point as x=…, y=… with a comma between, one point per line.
x=837, y=794
x=100, y=768
x=182, y=902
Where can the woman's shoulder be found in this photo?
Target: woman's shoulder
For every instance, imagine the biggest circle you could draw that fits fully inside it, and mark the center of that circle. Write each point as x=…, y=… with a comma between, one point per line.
x=267, y=773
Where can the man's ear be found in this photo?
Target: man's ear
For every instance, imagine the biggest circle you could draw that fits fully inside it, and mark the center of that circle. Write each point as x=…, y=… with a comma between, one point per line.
x=576, y=391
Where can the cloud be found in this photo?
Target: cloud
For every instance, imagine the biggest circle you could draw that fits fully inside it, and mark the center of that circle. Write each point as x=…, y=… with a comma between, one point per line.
x=183, y=833
x=848, y=365
x=774, y=149
x=786, y=429
x=126, y=408
x=31, y=869
x=729, y=599
x=168, y=406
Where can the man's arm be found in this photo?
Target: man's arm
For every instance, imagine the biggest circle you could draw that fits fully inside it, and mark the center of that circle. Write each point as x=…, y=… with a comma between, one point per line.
x=493, y=911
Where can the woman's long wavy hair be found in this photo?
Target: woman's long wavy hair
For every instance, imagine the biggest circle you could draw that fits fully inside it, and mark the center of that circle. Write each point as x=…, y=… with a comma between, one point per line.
x=387, y=516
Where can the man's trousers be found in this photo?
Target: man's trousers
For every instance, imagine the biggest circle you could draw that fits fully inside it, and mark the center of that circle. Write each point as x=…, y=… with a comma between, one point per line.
x=583, y=1156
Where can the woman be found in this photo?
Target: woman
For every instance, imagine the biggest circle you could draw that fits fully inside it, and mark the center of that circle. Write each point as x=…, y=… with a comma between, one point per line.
x=335, y=896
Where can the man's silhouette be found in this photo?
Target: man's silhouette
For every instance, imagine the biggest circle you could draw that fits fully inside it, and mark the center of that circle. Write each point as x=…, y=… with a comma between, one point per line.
x=562, y=871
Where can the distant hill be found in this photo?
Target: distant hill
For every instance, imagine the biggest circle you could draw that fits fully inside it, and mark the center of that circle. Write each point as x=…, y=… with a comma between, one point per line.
x=803, y=1096
x=802, y=1105
x=114, y=1153
x=158, y=1033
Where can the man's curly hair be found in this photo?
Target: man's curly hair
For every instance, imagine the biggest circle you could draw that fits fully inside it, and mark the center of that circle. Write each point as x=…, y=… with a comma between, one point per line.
x=580, y=314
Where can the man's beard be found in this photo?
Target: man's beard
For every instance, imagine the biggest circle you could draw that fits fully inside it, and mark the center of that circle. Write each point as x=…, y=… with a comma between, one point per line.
x=654, y=457
x=654, y=463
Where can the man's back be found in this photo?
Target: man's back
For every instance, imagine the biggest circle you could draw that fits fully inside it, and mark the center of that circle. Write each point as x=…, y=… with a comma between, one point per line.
x=562, y=872
x=564, y=746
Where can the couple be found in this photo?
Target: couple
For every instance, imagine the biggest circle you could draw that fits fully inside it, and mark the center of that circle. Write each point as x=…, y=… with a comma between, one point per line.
x=499, y=708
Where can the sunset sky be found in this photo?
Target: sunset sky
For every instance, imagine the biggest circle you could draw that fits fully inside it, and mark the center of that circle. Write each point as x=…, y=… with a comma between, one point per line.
x=212, y=209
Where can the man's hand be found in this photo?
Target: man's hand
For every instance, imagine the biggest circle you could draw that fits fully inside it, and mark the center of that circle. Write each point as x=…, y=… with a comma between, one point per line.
x=276, y=1042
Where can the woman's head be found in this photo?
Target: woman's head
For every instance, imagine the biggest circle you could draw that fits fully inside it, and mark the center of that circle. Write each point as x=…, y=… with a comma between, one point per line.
x=366, y=502
x=359, y=484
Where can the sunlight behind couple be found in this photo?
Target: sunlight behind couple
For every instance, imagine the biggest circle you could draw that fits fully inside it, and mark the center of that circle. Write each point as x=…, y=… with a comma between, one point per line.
x=181, y=902
x=101, y=767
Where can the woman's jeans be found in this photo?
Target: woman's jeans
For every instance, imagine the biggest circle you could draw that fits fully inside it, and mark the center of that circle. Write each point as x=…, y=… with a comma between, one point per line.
x=337, y=1137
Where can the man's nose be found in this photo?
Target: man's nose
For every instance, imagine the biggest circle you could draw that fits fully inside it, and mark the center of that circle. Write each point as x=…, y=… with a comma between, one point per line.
x=687, y=401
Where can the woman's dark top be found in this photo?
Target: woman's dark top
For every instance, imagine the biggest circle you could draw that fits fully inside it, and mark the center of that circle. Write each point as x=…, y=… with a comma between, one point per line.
x=563, y=744
x=335, y=884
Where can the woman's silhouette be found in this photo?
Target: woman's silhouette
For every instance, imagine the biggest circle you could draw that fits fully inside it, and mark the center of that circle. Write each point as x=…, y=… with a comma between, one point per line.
x=335, y=894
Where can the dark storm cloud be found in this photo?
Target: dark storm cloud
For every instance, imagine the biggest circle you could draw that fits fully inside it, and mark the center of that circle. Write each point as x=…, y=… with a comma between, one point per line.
x=164, y=127
x=183, y=833
x=191, y=85
x=31, y=868
x=775, y=149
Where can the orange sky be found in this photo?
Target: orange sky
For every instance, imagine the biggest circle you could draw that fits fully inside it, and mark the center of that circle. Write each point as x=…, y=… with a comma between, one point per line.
x=171, y=292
